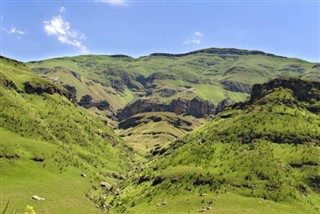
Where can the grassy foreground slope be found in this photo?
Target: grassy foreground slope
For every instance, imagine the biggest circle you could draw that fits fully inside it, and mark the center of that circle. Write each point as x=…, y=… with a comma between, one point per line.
x=47, y=142
x=262, y=156
x=212, y=74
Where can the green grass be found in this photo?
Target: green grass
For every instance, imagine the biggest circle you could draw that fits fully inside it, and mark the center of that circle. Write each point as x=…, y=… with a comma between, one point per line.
x=201, y=70
x=64, y=191
x=148, y=133
x=265, y=153
x=250, y=159
x=70, y=141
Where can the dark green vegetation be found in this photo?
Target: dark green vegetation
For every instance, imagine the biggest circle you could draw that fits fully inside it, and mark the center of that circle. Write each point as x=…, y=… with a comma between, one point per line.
x=258, y=156
x=47, y=142
x=261, y=156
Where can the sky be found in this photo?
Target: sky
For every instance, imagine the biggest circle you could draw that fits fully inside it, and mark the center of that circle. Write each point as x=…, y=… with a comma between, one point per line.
x=35, y=30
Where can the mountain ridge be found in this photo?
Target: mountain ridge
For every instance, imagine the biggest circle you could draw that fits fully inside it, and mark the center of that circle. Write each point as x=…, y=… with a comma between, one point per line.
x=212, y=50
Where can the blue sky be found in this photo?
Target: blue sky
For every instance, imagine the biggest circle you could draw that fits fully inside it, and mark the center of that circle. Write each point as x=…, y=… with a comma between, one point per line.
x=33, y=30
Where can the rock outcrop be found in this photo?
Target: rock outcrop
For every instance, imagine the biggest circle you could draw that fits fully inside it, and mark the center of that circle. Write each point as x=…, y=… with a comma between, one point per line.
x=139, y=119
x=166, y=92
x=236, y=86
x=7, y=83
x=223, y=103
x=36, y=88
x=195, y=107
x=199, y=108
x=87, y=102
x=303, y=90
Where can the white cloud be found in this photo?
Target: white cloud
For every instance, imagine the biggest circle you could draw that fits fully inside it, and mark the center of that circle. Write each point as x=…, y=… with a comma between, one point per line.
x=114, y=2
x=60, y=28
x=14, y=31
x=195, y=38
x=62, y=9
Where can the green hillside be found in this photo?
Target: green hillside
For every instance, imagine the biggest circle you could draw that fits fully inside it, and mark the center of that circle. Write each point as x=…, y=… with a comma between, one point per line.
x=119, y=79
x=47, y=142
x=217, y=75
x=146, y=132
x=261, y=156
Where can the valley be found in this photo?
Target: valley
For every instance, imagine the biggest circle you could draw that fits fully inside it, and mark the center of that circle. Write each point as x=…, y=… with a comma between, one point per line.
x=213, y=131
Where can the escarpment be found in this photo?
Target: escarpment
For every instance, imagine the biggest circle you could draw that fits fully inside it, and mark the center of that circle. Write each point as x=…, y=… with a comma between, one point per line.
x=195, y=107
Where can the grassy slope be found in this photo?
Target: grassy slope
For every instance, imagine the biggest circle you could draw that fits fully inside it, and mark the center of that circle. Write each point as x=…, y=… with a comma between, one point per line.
x=197, y=74
x=150, y=134
x=69, y=139
x=234, y=160
x=202, y=71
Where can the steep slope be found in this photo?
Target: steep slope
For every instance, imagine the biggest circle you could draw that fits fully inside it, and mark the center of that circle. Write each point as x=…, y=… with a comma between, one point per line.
x=47, y=142
x=261, y=156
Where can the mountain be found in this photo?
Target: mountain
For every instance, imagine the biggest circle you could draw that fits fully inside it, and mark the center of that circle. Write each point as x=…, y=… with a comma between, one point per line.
x=120, y=79
x=197, y=84
x=47, y=142
x=163, y=133
x=259, y=156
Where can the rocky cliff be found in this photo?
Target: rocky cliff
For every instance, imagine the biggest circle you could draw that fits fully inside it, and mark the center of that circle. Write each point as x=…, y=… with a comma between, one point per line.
x=87, y=102
x=303, y=90
x=195, y=107
x=40, y=88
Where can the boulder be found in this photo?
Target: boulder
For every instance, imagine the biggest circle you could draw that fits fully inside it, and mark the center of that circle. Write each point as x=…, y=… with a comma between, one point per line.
x=158, y=180
x=106, y=185
x=37, y=198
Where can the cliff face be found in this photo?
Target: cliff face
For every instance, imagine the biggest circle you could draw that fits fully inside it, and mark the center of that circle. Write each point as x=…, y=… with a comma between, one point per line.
x=69, y=93
x=142, y=105
x=195, y=107
x=87, y=102
x=199, y=108
x=303, y=90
